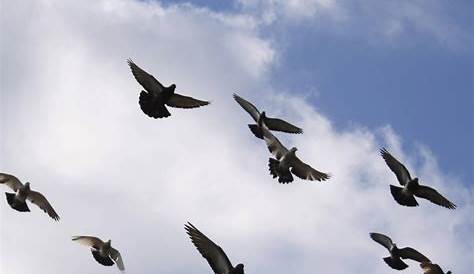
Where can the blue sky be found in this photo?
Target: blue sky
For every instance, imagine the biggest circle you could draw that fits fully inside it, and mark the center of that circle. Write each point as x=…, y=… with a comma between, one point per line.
x=355, y=75
x=419, y=85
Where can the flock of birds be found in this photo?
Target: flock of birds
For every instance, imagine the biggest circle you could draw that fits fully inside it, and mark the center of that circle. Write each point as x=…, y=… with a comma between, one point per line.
x=153, y=102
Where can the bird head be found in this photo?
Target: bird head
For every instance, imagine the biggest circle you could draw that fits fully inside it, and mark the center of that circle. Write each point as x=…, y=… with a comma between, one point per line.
x=239, y=269
x=27, y=185
x=173, y=87
x=108, y=243
x=261, y=119
x=415, y=180
x=293, y=149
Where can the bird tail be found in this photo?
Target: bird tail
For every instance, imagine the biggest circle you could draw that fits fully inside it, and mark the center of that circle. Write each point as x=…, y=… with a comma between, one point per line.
x=395, y=263
x=257, y=131
x=15, y=204
x=151, y=108
x=107, y=261
x=402, y=197
x=284, y=175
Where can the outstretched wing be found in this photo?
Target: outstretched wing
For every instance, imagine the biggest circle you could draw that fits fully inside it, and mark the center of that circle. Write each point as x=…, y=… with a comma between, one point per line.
x=89, y=241
x=274, y=145
x=213, y=253
x=115, y=255
x=382, y=239
x=247, y=106
x=306, y=172
x=434, y=196
x=410, y=253
x=11, y=181
x=41, y=201
x=146, y=80
x=281, y=125
x=398, y=168
x=180, y=101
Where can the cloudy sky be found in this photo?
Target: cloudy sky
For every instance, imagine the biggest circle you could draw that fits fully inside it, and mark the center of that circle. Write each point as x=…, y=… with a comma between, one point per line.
x=356, y=75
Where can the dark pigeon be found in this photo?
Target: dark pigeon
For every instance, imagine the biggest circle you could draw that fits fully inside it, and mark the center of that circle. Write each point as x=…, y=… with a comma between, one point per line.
x=23, y=193
x=397, y=254
x=103, y=252
x=272, y=123
x=411, y=188
x=154, y=99
x=213, y=253
x=287, y=163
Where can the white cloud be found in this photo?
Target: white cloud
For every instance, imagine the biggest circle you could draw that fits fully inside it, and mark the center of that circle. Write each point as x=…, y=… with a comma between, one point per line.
x=378, y=21
x=73, y=128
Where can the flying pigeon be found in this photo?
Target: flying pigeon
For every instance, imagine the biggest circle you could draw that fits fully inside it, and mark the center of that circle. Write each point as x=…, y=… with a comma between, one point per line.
x=429, y=268
x=213, y=253
x=22, y=193
x=155, y=96
x=272, y=123
x=103, y=252
x=411, y=187
x=287, y=162
x=397, y=254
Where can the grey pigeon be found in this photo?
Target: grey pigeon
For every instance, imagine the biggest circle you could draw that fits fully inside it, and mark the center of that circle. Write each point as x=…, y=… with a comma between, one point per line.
x=287, y=162
x=154, y=99
x=213, y=253
x=272, y=123
x=429, y=268
x=411, y=188
x=397, y=254
x=103, y=252
x=22, y=193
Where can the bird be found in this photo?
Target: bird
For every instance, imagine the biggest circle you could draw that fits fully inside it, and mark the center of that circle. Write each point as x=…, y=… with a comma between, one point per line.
x=103, y=252
x=154, y=99
x=213, y=253
x=411, y=187
x=272, y=123
x=22, y=193
x=430, y=268
x=397, y=254
x=287, y=162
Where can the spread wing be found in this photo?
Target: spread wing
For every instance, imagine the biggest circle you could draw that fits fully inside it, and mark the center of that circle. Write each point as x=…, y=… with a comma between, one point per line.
x=89, y=241
x=410, y=253
x=429, y=268
x=306, y=172
x=41, y=201
x=146, y=80
x=382, y=239
x=11, y=181
x=180, y=101
x=398, y=168
x=434, y=196
x=115, y=255
x=213, y=253
x=247, y=106
x=274, y=145
x=281, y=125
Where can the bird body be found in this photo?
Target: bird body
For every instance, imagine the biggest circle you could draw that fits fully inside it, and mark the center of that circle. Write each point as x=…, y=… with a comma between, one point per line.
x=261, y=117
x=411, y=188
x=397, y=254
x=22, y=193
x=103, y=252
x=154, y=99
x=287, y=163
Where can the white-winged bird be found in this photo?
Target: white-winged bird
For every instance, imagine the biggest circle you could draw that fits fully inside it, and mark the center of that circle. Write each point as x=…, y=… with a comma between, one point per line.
x=154, y=99
x=103, y=252
x=411, y=187
x=213, y=253
x=272, y=123
x=397, y=254
x=22, y=193
x=287, y=162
